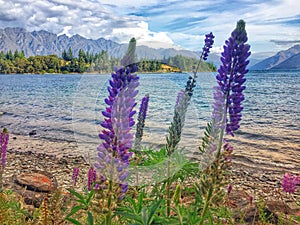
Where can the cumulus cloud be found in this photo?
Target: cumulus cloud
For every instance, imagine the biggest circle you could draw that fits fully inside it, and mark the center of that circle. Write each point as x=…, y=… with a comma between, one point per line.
x=142, y=34
x=87, y=18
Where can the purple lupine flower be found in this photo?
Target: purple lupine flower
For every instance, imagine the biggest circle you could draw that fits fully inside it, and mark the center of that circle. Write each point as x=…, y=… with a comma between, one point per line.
x=219, y=108
x=75, y=175
x=91, y=178
x=229, y=94
x=114, y=153
x=119, y=113
x=209, y=41
x=141, y=121
x=179, y=97
x=144, y=107
x=290, y=182
x=190, y=85
x=4, y=137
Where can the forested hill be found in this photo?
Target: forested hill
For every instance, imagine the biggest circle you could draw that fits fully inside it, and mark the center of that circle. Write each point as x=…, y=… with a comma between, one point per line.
x=68, y=62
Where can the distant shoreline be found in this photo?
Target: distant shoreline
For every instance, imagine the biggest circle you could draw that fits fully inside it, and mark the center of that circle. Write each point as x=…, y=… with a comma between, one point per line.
x=95, y=73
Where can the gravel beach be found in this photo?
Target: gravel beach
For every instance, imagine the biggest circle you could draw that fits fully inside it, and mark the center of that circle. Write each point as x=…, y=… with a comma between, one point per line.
x=249, y=178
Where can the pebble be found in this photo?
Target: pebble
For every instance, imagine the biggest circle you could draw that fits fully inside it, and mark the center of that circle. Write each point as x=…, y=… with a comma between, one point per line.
x=33, y=132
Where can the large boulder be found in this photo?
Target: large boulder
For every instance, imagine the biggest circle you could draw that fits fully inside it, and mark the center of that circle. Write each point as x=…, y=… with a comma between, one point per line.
x=34, y=186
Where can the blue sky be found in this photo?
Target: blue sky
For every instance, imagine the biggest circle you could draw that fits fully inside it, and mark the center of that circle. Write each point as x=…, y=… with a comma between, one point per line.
x=271, y=25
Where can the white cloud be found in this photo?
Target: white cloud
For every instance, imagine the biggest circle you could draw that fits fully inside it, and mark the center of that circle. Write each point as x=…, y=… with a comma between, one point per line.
x=173, y=22
x=143, y=36
x=217, y=49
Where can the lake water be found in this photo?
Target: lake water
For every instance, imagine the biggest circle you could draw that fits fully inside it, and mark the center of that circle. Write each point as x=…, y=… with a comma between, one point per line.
x=68, y=108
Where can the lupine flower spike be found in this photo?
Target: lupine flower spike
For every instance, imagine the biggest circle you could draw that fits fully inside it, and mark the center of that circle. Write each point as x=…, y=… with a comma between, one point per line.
x=183, y=101
x=4, y=137
x=209, y=41
x=113, y=153
x=225, y=117
x=141, y=122
x=91, y=178
x=75, y=175
x=229, y=92
x=228, y=95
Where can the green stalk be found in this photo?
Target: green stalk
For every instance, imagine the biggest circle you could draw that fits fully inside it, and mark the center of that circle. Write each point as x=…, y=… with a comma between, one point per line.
x=1, y=179
x=207, y=203
x=168, y=186
x=219, y=147
x=108, y=219
x=179, y=216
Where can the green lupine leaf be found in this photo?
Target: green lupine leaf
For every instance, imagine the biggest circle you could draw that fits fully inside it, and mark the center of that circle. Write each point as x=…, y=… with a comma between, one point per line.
x=79, y=196
x=145, y=216
x=140, y=202
x=76, y=222
x=132, y=216
x=75, y=209
x=90, y=218
x=153, y=211
x=89, y=197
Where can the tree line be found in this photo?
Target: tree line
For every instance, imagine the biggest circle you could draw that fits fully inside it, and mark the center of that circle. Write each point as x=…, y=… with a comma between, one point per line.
x=17, y=62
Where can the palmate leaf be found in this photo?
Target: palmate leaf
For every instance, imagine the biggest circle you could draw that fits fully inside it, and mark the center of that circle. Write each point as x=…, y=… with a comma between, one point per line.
x=150, y=157
x=138, y=213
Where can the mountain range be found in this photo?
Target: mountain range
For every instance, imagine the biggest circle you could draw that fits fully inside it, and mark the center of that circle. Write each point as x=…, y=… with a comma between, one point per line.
x=287, y=59
x=45, y=43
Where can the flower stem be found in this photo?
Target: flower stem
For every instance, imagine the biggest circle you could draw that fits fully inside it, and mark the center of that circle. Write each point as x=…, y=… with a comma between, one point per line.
x=1, y=180
x=108, y=220
x=206, y=205
x=168, y=186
